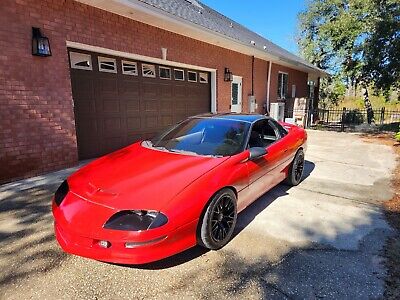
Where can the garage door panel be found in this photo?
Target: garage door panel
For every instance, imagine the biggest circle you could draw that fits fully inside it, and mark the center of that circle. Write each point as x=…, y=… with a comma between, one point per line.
x=149, y=123
x=107, y=87
x=88, y=128
x=133, y=124
x=113, y=110
x=150, y=105
x=112, y=127
x=111, y=106
x=112, y=144
x=167, y=120
x=150, y=89
x=83, y=87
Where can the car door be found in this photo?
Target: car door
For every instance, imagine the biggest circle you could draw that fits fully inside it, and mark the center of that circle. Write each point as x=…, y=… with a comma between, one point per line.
x=260, y=176
x=286, y=146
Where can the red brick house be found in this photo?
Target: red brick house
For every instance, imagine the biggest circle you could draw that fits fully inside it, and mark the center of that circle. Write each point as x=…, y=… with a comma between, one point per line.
x=121, y=70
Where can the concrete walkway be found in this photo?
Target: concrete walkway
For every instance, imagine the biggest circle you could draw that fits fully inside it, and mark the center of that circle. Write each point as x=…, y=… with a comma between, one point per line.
x=321, y=239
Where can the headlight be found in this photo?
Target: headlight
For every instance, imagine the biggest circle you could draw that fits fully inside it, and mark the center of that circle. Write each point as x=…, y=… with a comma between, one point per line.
x=61, y=192
x=136, y=220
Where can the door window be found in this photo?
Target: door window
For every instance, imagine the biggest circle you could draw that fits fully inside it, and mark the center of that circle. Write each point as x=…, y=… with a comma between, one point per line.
x=235, y=93
x=262, y=134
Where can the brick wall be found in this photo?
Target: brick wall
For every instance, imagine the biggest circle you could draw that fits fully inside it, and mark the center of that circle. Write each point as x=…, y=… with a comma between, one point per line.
x=37, y=130
x=295, y=77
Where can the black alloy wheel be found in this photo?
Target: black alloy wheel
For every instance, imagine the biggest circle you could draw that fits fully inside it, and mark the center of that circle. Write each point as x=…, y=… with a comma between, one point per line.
x=219, y=220
x=296, y=169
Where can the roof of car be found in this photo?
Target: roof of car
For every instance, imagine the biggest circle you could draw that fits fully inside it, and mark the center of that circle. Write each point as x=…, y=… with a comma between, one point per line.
x=233, y=116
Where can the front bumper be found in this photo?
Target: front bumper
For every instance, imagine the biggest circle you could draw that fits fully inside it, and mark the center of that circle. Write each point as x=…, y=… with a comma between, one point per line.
x=81, y=239
x=148, y=251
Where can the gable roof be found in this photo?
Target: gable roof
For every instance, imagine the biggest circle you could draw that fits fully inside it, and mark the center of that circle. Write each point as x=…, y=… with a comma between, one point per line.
x=196, y=20
x=204, y=16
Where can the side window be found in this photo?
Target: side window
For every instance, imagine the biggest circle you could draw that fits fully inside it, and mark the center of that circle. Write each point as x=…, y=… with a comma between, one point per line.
x=282, y=131
x=262, y=134
x=282, y=85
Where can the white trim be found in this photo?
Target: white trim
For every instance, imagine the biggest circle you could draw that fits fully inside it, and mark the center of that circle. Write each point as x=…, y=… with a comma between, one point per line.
x=149, y=59
x=214, y=92
x=128, y=55
x=237, y=108
x=269, y=85
x=280, y=72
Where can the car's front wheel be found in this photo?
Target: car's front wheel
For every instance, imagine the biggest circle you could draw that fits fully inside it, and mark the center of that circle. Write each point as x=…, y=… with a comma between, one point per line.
x=296, y=169
x=219, y=219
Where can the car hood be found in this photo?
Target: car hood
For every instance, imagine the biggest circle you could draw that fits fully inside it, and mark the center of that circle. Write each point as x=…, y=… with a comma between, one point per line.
x=137, y=177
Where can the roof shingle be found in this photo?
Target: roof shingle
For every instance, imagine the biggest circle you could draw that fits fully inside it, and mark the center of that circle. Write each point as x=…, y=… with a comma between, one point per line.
x=200, y=14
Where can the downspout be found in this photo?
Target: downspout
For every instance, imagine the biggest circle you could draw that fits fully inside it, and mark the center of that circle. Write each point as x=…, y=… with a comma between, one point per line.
x=268, y=85
x=252, y=75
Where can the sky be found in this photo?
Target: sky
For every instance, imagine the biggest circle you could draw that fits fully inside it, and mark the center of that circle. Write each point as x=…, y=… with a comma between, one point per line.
x=275, y=20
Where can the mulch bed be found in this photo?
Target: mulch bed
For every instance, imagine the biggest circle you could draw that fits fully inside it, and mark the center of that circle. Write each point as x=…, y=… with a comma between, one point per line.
x=392, y=212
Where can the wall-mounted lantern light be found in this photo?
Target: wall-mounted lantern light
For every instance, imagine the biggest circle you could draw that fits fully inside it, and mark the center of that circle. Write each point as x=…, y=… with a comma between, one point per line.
x=40, y=43
x=228, y=76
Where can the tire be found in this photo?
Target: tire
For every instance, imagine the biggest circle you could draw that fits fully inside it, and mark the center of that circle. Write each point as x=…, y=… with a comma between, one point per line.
x=296, y=169
x=219, y=219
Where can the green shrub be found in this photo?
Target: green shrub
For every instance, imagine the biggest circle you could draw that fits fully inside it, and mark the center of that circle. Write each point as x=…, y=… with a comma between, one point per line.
x=397, y=136
x=353, y=117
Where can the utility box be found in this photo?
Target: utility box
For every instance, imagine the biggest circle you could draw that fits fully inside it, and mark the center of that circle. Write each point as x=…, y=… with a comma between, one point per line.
x=252, y=104
x=277, y=111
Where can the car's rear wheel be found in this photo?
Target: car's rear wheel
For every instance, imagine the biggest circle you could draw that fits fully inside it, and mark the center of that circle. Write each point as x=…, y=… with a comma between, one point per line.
x=218, y=221
x=296, y=169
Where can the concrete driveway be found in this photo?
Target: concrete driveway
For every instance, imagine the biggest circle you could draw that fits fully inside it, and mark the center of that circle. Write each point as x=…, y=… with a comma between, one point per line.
x=321, y=239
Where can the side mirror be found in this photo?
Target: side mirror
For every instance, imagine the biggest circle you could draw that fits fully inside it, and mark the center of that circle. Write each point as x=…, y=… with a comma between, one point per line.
x=257, y=152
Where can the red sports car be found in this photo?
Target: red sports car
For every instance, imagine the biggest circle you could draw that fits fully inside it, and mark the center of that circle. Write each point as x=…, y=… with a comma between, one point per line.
x=156, y=198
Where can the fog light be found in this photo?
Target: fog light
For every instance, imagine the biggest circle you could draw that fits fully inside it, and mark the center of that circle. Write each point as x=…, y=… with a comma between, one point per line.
x=104, y=244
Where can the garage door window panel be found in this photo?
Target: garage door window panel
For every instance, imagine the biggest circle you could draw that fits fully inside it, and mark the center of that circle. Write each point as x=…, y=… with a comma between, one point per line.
x=80, y=61
x=179, y=75
x=203, y=77
x=148, y=71
x=129, y=68
x=165, y=73
x=192, y=76
x=108, y=65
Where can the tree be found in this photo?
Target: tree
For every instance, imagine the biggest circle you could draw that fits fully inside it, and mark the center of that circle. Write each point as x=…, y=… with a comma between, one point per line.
x=345, y=37
x=331, y=90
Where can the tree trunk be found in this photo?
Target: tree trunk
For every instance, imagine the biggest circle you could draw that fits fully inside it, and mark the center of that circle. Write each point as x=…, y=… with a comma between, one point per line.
x=368, y=105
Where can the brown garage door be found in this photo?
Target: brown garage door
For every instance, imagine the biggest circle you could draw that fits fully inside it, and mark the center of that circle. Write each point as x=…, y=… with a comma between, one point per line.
x=118, y=101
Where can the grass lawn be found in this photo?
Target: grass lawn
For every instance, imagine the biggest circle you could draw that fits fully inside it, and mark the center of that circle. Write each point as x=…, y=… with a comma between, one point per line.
x=377, y=103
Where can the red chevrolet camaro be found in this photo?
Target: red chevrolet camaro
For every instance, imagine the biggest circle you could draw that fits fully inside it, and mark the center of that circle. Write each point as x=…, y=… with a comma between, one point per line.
x=156, y=198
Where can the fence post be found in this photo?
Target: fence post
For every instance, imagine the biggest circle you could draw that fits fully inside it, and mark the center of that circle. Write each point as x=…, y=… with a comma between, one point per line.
x=343, y=116
x=327, y=117
x=382, y=115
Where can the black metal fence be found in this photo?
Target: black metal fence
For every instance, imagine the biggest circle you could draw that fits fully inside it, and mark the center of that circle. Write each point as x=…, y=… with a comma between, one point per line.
x=343, y=119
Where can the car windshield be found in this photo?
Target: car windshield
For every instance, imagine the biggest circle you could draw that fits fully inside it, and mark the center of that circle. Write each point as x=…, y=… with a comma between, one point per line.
x=204, y=136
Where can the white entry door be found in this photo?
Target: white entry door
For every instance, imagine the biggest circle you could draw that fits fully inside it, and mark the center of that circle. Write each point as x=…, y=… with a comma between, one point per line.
x=236, y=95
